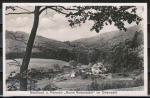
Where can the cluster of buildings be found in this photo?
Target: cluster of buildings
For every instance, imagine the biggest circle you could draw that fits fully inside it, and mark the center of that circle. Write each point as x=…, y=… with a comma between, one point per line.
x=95, y=69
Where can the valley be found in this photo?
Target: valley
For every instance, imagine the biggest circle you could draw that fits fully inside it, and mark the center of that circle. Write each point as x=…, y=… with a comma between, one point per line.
x=117, y=57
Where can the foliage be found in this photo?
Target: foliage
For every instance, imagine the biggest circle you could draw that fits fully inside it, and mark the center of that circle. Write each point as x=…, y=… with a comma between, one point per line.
x=137, y=72
x=33, y=76
x=73, y=63
x=104, y=14
x=91, y=53
x=122, y=55
x=84, y=76
x=50, y=87
x=93, y=86
x=116, y=84
x=125, y=56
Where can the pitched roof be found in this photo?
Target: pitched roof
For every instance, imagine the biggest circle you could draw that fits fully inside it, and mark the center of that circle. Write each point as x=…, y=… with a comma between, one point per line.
x=84, y=67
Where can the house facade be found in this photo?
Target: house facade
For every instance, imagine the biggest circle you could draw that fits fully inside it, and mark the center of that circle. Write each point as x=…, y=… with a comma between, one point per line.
x=98, y=68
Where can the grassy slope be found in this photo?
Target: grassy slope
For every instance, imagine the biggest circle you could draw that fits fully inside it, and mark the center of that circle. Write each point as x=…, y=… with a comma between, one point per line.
x=36, y=63
x=69, y=84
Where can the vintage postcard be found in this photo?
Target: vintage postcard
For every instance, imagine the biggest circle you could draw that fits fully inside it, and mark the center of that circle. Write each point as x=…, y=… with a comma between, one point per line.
x=75, y=49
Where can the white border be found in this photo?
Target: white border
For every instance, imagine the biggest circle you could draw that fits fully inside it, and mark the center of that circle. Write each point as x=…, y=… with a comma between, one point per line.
x=119, y=93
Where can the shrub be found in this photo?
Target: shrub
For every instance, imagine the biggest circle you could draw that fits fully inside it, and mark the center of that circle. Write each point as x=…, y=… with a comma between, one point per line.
x=50, y=87
x=93, y=86
x=137, y=72
x=84, y=76
x=33, y=76
x=117, y=84
x=139, y=81
x=125, y=74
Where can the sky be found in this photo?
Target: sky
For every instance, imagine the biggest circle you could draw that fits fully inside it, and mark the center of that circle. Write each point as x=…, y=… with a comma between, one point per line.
x=55, y=26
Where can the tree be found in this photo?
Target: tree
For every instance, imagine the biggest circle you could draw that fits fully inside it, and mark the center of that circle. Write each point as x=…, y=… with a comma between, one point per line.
x=76, y=16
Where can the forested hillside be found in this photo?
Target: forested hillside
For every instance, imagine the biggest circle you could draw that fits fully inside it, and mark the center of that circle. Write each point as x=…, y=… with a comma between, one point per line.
x=117, y=49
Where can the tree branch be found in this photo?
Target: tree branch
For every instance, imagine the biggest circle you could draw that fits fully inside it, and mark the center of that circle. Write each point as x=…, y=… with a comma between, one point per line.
x=16, y=63
x=58, y=11
x=21, y=13
x=23, y=9
x=66, y=8
x=51, y=7
x=42, y=10
x=12, y=84
x=28, y=12
x=18, y=38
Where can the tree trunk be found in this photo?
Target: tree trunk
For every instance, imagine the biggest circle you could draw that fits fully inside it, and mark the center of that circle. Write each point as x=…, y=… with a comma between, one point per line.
x=26, y=59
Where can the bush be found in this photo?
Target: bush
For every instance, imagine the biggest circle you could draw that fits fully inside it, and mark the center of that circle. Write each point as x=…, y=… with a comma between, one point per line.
x=84, y=76
x=93, y=86
x=137, y=72
x=50, y=88
x=139, y=81
x=125, y=74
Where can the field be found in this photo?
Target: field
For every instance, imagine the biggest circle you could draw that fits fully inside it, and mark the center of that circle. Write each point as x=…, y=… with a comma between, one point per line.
x=35, y=63
x=76, y=83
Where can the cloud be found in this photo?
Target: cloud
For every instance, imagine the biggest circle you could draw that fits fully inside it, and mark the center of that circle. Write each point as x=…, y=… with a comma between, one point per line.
x=57, y=21
x=56, y=26
x=19, y=24
x=46, y=23
x=68, y=33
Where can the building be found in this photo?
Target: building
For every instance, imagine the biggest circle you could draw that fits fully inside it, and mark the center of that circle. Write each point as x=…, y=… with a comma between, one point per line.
x=98, y=68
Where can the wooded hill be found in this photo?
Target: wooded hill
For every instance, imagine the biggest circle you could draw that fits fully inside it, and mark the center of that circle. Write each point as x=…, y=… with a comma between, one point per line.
x=111, y=48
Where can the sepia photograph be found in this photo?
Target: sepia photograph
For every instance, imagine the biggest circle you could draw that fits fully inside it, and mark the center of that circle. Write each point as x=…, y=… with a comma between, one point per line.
x=75, y=49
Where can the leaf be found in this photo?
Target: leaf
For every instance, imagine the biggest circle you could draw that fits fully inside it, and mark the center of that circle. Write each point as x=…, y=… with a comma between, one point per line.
x=69, y=20
x=72, y=16
x=89, y=12
x=134, y=10
x=67, y=15
x=110, y=21
x=137, y=23
x=83, y=21
x=125, y=29
x=129, y=21
x=106, y=23
x=101, y=28
x=97, y=30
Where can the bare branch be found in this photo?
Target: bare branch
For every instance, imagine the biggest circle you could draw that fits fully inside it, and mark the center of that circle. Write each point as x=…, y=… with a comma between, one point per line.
x=59, y=11
x=23, y=9
x=20, y=13
x=18, y=38
x=16, y=62
x=13, y=64
x=51, y=7
x=66, y=8
x=28, y=12
x=42, y=10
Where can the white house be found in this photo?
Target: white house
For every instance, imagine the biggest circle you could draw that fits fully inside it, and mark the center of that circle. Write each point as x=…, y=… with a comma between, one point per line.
x=72, y=75
x=98, y=68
